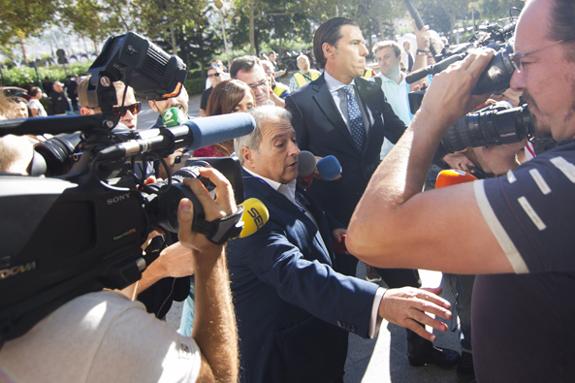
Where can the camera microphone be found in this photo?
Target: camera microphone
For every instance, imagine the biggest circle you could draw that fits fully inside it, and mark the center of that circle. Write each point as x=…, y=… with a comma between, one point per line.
x=193, y=134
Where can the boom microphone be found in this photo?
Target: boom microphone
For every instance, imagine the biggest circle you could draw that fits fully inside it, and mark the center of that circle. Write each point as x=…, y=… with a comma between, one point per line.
x=255, y=216
x=200, y=132
x=434, y=69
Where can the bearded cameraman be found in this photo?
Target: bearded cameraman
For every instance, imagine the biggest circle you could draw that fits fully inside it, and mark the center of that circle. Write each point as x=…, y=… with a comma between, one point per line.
x=519, y=223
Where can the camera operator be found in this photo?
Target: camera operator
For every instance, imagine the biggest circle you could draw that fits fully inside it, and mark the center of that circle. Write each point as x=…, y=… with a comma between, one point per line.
x=102, y=336
x=519, y=223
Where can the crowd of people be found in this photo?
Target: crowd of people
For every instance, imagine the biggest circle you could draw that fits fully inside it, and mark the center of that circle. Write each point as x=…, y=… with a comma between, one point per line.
x=278, y=305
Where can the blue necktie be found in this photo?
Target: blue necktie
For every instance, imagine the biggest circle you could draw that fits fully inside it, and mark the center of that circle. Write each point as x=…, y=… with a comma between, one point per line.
x=354, y=116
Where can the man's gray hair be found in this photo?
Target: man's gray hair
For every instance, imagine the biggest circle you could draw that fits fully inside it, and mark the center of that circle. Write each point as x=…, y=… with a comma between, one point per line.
x=261, y=115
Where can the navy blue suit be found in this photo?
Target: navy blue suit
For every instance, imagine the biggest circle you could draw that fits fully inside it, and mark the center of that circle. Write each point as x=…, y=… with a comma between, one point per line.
x=293, y=310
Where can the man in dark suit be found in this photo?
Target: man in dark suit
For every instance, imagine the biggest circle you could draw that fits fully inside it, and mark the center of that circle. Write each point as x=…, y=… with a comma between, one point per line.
x=344, y=115
x=293, y=310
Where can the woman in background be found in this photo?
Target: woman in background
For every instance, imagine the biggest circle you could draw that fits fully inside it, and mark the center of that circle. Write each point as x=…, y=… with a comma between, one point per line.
x=227, y=97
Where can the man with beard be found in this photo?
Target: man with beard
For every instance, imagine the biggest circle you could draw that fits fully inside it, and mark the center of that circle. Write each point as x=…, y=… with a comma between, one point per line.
x=518, y=223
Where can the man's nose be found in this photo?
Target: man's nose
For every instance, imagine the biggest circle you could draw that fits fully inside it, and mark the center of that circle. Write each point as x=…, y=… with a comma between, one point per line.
x=517, y=80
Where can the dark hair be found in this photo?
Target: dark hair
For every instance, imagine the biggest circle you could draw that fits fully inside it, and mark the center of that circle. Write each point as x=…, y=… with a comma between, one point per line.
x=226, y=96
x=562, y=26
x=329, y=32
x=34, y=91
x=243, y=63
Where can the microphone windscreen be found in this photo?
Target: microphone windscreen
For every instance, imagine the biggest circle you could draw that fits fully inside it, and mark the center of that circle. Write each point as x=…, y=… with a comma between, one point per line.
x=306, y=163
x=174, y=117
x=255, y=216
x=329, y=168
x=450, y=177
x=206, y=131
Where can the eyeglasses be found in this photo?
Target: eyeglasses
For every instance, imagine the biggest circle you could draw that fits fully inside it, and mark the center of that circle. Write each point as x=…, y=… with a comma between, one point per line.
x=120, y=111
x=517, y=57
x=214, y=75
x=258, y=84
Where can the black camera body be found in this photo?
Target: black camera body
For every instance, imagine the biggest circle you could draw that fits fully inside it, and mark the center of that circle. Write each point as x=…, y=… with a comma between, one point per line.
x=81, y=232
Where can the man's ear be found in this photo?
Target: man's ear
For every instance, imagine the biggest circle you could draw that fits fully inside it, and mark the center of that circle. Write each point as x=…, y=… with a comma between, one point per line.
x=247, y=156
x=327, y=50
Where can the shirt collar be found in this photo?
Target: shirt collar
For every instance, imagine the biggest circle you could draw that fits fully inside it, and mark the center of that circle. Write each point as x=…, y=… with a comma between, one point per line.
x=288, y=190
x=334, y=84
x=384, y=78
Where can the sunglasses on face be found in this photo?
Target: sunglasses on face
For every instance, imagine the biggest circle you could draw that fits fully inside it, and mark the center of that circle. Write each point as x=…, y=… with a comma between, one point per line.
x=120, y=111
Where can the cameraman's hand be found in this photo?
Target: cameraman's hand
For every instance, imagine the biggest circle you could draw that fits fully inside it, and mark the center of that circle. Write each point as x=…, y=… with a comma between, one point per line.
x=449, y=95
x=222, y=206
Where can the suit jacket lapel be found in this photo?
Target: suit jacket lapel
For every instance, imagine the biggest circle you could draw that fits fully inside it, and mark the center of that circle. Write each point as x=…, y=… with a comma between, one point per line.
x=268, y=194
x=368, y=94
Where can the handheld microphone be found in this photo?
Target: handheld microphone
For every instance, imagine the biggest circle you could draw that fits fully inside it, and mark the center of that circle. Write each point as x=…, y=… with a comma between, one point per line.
x=200, y=132
x=174, y=117
x=434, y=69
x=306, y=163
x=448, y=177
x=254, y=216
x=329, y=168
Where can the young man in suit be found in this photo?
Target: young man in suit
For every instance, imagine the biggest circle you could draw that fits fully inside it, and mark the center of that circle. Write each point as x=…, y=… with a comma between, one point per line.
x=293, y=310
x=344, y=115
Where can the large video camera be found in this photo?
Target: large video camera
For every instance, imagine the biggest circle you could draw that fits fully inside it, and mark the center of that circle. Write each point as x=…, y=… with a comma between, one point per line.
x=495, y=124
x=80, y=232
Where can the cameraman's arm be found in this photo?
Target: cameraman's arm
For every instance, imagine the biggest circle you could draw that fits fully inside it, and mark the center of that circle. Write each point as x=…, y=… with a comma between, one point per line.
x=394, y=225
x=214, y=327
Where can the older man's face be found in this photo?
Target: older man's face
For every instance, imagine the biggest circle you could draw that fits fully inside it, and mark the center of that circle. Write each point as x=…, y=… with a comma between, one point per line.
x=545, y=76
x=258, y=82
x=277, y=155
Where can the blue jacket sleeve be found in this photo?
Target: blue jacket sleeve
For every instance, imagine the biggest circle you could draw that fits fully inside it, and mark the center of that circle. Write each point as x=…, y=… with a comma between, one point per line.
x=304, y=281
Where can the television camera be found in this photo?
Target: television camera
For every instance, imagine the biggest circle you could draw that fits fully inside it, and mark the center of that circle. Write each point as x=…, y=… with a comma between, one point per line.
x=79, y=231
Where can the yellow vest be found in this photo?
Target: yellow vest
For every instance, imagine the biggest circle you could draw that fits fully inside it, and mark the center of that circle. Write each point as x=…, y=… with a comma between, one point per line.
x=368, y=73
x=280, y=89
x=302, y=80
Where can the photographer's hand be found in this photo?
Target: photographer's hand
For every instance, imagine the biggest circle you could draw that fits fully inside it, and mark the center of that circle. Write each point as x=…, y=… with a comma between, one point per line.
x=449, y=95
x=395, y=225
x=214, y=326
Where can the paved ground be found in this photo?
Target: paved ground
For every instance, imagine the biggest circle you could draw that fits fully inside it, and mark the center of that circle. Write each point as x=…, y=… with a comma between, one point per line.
x=379, y=360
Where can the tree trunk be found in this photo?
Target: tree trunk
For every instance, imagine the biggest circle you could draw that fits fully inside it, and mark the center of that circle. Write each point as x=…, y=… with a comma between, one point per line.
x=252, y=28
x=174, y=42
x=23, y=48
